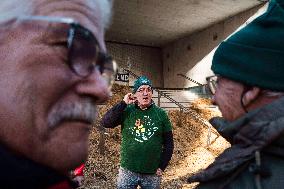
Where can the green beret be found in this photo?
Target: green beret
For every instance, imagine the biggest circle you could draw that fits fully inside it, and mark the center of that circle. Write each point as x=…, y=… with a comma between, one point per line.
x=142, y=80
x=255, y=54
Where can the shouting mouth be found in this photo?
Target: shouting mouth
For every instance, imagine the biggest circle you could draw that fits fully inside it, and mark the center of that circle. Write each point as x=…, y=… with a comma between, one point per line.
x=145, y=98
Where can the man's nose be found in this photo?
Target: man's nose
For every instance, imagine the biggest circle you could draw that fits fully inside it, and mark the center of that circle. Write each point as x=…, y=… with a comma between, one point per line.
x=94, y=86
x=145, y=93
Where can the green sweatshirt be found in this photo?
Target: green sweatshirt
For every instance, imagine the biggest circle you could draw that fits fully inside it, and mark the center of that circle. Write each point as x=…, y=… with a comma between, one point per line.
x=142, y=138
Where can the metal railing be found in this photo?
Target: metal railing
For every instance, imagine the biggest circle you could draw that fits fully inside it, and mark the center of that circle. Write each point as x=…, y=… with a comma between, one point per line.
x=188, y=78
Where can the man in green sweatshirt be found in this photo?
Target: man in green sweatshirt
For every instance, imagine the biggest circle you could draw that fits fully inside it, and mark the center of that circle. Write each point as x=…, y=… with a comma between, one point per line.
x=147, y=138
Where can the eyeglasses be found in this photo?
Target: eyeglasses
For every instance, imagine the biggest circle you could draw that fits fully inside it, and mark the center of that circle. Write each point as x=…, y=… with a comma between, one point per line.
x=84, y=55
x=212, y=83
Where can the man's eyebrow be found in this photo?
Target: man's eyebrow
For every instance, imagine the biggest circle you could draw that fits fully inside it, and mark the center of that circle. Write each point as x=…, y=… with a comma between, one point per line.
x=55, y=35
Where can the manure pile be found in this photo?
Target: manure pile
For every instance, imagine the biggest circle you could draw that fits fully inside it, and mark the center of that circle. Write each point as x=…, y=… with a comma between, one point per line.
x=191, y=152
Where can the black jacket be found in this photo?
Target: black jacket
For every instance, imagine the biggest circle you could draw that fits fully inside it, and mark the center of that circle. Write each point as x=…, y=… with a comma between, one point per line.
x=256, y=158
x=17, y=173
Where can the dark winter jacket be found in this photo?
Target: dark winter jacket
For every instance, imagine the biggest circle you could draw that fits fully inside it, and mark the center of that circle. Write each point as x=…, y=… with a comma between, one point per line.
x=256, y=158
x=18, y=173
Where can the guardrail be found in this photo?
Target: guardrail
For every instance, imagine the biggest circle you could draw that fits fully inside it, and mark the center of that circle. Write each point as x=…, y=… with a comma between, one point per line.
x=188, y=78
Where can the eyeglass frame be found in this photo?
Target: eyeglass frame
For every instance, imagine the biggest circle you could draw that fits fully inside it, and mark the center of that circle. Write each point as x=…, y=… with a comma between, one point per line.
x=74, y=25
x=212, y=84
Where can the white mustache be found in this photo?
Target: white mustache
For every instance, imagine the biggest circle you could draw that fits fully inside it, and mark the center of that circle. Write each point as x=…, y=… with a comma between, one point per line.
x=83, y=111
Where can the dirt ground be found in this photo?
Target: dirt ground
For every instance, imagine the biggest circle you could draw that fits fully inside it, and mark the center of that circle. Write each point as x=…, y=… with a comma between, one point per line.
x=191, y=152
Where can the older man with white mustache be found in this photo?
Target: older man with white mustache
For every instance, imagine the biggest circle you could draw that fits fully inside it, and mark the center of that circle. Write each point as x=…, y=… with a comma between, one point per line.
x=54, y=70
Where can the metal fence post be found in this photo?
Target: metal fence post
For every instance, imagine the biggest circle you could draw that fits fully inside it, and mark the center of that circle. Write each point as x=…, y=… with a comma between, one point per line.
x=159, y=99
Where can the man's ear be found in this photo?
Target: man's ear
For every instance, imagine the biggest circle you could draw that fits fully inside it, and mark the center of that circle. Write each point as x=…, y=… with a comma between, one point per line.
x=134, y=95
x=250, y=95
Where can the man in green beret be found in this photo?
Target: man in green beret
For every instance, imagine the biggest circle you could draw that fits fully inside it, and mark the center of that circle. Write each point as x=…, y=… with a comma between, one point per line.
x=147, y=138
x=249, y=92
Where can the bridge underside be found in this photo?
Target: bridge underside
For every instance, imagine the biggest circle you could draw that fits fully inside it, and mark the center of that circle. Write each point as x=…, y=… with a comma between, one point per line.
x=163, y=38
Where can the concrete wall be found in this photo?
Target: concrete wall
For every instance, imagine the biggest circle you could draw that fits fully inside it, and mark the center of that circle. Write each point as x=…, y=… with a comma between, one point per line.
x=140, y=59
x=183, y=55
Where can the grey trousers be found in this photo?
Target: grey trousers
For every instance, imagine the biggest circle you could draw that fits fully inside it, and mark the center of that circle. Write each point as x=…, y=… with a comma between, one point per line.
x=131, y=180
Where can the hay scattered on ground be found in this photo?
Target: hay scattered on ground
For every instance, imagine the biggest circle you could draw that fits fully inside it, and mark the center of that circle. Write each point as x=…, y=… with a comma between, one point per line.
x=191, y=152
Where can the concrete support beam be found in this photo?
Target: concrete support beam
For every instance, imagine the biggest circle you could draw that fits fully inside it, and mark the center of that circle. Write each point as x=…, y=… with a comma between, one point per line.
x=181, y=56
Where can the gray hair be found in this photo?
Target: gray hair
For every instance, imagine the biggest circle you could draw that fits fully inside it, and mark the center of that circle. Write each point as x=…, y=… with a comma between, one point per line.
x=10, y=9
x=106, y=9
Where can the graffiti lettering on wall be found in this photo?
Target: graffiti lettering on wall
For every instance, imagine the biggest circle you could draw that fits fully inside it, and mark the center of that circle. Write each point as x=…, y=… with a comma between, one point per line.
x=123, y=77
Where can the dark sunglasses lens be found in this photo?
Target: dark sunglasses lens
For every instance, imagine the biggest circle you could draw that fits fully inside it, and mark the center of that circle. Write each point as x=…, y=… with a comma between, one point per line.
x=83, y=52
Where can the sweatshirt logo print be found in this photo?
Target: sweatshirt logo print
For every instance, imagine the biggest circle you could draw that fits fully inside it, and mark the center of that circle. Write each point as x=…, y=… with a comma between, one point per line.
x=143, y=129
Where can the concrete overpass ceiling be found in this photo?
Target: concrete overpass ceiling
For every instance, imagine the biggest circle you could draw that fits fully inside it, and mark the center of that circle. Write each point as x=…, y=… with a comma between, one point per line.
x=159, y=22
